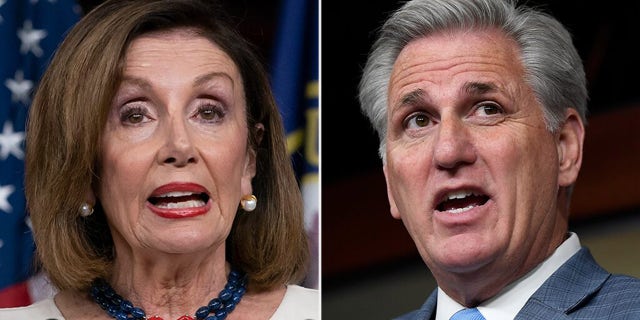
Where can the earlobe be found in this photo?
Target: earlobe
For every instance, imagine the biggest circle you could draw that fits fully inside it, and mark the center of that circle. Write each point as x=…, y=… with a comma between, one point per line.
x=570, y=140
x=90, y=197
x=392, y=203
x=249, y=171
x=86, y=209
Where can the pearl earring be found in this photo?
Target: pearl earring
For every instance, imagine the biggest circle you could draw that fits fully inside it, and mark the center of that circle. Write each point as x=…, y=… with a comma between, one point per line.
x=86, y=209
x=249, y=203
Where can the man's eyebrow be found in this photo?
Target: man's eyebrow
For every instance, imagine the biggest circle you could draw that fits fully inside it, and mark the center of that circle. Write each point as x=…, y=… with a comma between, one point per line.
x=478, y=88
x=418, y=96
x=414, y=97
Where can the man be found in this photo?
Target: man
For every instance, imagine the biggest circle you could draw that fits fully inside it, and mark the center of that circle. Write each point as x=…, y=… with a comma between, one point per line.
x=480, y=109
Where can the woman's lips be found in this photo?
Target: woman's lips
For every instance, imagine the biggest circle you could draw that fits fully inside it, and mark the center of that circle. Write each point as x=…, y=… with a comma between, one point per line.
x=179, y=200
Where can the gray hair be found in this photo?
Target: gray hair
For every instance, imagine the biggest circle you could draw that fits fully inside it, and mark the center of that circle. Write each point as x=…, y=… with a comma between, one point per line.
x=552, y=65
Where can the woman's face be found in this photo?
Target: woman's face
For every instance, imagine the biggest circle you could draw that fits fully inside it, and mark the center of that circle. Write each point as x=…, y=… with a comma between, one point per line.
x=174, y=159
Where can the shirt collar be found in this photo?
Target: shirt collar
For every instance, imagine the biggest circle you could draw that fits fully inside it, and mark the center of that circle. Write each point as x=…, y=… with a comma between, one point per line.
x=512, y=298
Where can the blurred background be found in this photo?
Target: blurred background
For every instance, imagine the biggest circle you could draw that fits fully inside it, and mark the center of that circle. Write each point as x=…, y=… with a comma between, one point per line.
x=370, y=267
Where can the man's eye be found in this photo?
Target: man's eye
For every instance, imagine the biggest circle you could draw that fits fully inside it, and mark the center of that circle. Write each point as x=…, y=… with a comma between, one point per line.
x=419, y=120
x=489, y=109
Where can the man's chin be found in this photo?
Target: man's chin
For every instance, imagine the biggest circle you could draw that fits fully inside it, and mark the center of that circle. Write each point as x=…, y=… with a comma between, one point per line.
x=464, y=257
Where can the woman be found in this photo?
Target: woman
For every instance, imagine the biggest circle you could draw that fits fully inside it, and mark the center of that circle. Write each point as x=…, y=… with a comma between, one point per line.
x=150, y=138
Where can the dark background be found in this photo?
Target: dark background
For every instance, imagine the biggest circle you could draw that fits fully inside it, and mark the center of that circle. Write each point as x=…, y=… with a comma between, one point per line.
x=359, y=237
x=368, y=259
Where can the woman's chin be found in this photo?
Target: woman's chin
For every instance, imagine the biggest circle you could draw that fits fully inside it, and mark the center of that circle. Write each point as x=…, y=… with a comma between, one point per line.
x=183, y=243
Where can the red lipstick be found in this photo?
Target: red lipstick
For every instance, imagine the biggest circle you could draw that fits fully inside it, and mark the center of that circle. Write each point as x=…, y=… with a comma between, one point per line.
x=179, y=200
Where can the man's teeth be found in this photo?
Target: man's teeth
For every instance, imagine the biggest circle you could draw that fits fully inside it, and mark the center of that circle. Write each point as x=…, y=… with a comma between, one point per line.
x=180, y=205
x=459, y=195
x=461, y=210
x=460, y=201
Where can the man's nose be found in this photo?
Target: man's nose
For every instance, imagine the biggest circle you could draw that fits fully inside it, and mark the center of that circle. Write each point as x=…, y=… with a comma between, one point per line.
x=453, y=146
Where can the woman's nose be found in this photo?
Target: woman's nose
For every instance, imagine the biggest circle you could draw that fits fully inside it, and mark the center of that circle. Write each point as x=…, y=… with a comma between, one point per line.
x=177, y=149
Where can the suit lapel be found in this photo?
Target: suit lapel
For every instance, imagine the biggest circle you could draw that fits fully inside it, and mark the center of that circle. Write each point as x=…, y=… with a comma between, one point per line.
x=426, y=312
x=576, y=280
x=537, y=310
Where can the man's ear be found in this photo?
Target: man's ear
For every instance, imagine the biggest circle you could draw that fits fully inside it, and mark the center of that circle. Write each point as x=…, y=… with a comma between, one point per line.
x=392, y=203
x=570, y=140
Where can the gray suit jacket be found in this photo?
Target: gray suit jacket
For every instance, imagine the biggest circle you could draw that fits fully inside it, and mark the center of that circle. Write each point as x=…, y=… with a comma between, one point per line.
x=580, y=289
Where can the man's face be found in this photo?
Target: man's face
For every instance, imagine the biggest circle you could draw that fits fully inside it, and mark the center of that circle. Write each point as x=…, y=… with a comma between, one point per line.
x=471, y=168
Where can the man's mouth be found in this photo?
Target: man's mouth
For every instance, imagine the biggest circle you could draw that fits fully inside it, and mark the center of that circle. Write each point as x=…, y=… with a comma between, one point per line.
x=461, y=201
x=179, y=200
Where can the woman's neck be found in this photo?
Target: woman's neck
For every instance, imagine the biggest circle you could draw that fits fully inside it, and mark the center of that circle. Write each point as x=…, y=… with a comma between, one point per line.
x=169, y=285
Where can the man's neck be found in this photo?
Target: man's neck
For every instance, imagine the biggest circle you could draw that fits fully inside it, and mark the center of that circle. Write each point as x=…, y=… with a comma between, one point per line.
x=508, y=302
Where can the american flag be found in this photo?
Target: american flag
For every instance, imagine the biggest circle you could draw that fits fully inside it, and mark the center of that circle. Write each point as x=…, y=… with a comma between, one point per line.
x=30, y=31
x=295, y=82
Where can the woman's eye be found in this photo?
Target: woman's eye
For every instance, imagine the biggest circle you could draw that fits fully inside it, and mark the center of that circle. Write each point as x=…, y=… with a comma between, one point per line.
x=210, y=113
x=135, y=118
x=134, y=115
x=418, y=120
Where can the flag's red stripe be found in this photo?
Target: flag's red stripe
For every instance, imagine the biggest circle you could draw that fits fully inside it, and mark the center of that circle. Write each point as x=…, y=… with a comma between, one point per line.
x=15, y=296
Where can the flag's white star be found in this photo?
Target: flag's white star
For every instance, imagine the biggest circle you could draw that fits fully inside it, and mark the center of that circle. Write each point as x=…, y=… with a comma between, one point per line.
x=5, y=192
x=11, y=142
x=20, y=88
x=30, y=39
x=27, y=221
x=2, y=2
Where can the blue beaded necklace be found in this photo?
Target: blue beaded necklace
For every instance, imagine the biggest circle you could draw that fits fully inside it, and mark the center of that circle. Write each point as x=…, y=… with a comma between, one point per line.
x=218, y=308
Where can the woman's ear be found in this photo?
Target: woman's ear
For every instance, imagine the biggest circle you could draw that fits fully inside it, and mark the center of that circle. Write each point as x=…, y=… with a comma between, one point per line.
x=258, y=133
x=570, y=140
x=90, y=197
